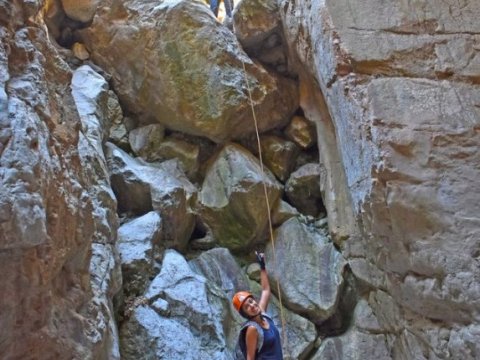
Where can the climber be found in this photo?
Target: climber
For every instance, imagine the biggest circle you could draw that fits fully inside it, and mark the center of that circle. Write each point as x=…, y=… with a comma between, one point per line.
x=259, y=337
x=214, y=5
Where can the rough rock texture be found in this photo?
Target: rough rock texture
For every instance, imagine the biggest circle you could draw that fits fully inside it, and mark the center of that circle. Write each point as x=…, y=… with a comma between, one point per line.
x=191, y=76
x=308, y=269
x=282, y=212
x=303, y=189
x=145, y=140
x=47, y=217
x=219, y=267
x=401, y=117
x=232, y=200
x=258, y=28
x=302, y=132
x=97, y=107
x=137, y=241
x=185, y=318
x=279, y=155
x=142, y=187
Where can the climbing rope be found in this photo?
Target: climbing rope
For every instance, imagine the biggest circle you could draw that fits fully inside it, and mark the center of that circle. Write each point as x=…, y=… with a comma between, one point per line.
x=282, y=317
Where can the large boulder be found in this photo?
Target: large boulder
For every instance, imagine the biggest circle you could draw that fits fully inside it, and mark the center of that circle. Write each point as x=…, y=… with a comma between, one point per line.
x=184, y=318
x=142, y=187
x=190, y=77
x=232, y=201
x=138, y=243
x=307, y=268
x=82, y=10
x=303, y=189
x=218, y=266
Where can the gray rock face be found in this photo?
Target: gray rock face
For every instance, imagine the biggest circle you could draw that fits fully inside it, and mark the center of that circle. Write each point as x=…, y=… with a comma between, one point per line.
x=219, y=266
x=232, y=200
x=106, y=282
x=365, y=339
x=303, y=189
x=93, y=102
x=303, y=254
x=282, y=212
x=189, y=325
x=149, y=143
x=48, y=219
x=401, y=117
x=141, y=187
x=197, y=54
x=137, y=241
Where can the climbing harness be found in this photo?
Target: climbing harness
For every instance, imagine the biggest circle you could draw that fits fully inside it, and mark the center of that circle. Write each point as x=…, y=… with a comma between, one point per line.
x=282, y=317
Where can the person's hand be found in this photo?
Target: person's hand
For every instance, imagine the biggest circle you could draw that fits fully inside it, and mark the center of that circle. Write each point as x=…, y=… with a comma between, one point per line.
x=260, y=259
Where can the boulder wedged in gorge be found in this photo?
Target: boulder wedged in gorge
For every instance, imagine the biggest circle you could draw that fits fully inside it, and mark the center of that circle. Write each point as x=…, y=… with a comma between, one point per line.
x=48, y=220
x=188, y=77
x=401, y=116
x=232, y=200
x=308, y=270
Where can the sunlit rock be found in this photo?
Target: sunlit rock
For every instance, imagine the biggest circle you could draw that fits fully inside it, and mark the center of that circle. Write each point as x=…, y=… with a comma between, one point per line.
x=137, y=241
x=190, y=322
x=301, y=132
x=80, y=10
x=279, y=155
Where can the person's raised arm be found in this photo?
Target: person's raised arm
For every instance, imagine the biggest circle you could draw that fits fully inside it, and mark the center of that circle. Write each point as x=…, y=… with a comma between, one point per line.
x=265, y=297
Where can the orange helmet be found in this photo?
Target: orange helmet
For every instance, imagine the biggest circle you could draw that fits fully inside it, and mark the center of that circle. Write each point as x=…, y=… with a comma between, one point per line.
x=239, y=298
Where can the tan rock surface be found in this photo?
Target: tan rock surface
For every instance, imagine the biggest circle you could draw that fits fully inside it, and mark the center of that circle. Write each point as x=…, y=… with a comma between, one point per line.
x=188, y=77
x=406, y=139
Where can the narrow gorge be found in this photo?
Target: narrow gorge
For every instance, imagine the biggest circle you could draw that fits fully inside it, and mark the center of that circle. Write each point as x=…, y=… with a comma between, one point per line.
x=148, y=149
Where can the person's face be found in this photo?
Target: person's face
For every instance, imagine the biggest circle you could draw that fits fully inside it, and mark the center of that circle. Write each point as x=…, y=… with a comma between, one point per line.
x=250, y=307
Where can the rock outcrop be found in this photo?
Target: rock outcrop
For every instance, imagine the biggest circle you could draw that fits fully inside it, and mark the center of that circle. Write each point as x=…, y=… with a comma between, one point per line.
x=401, y=117
x=190, y=77
x=56, y=205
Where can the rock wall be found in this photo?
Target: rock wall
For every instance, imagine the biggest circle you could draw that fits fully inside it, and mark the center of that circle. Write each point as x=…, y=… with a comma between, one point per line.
x=393, y=90
x=52, y=204
x=393, y=87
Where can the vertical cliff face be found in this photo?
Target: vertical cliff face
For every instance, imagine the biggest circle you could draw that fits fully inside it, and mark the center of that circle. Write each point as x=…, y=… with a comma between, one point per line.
x=48, y=217
x=394, y=89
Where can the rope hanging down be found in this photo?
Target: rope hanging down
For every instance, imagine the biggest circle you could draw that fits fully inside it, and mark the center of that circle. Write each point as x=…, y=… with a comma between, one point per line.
x=282, y=317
